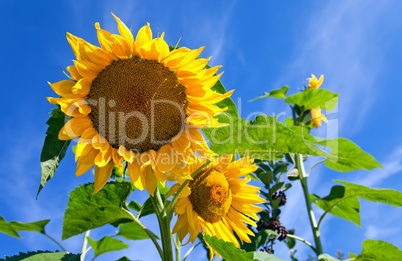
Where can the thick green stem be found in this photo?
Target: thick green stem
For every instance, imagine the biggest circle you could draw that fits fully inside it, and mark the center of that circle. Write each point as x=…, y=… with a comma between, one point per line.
x=314, y=228
x=84, y=249
x=164, y=226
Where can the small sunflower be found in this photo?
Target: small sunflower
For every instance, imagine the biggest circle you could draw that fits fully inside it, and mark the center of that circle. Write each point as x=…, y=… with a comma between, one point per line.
x=314, y=83
x=138, y=101
x=218, y=201
x=316, y=115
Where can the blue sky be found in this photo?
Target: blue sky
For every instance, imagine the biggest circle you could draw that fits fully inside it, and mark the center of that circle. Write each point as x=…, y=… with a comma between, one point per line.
x=262, y=45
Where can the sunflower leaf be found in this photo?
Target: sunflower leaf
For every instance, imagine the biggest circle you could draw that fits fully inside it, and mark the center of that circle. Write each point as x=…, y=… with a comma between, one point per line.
x=315, y=98
x=84, y=211
x=228, y=116
x=133, y=231
x=12, y=228
x=258, y=240
x=53, y=150
x=264, y=139
x=376, y=250
x=43, y=255
x=106, y=244
x=343, y=200
x=327, y=258
x=231, y=253
x=7, y=228
x=278, y=93
x=347, y=156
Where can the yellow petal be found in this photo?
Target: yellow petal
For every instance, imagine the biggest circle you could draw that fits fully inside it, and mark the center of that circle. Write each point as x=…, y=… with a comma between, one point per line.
x=134, y=171
x=144, y=36
x=102, y=175
x=149, y=181
x=126, y=33
x=74, y=128
x=64, y=88
x=166, y=159
x=87, y=69
x=86, y=162
x=73, y=41
x=104, y=157
x=85, y=143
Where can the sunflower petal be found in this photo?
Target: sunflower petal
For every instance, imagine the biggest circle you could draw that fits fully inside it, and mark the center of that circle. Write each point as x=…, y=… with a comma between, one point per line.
x=102, y=175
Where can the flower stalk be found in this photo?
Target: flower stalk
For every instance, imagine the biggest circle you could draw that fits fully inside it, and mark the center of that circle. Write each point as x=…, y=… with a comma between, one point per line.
x=164, y=226
x=313, y=223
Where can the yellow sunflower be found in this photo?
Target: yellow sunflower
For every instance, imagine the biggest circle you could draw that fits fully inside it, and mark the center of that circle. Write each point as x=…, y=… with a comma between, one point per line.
x=138, y=101
x=218, y=201
x=316, y=115
x=314, y=83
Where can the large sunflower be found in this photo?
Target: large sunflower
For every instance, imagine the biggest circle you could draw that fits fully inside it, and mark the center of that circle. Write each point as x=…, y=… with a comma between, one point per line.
x=136, y=101
x=218, y=201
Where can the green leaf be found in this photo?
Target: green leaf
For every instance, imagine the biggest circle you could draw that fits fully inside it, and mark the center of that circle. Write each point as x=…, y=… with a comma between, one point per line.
x=38, y=226
x=227, y=249
x=314, y=98
x=265, y=139
x=327, y=258
x=147, y=208
x=134, y=205
x=7, y=228
x=229, y=116
x=264, y=256
x=348, y=208
x=252, y=176
x=225, y=103
x=133, y=231
x=278, y=93
x=231, y=253
x=347, y=156
x=163, y=189
x=387, y=196
x=106, y=244
x=11, y=228
x=53, y=150
x=343, y=202
x=376, y=250
x=86, y=212
x=44, y=256
x=124, y=258
x=266, y=177
x=258, y=240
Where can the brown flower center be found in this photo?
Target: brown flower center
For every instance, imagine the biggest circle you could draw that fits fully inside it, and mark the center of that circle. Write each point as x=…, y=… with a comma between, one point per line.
x=210, y=195
x=137, y=103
